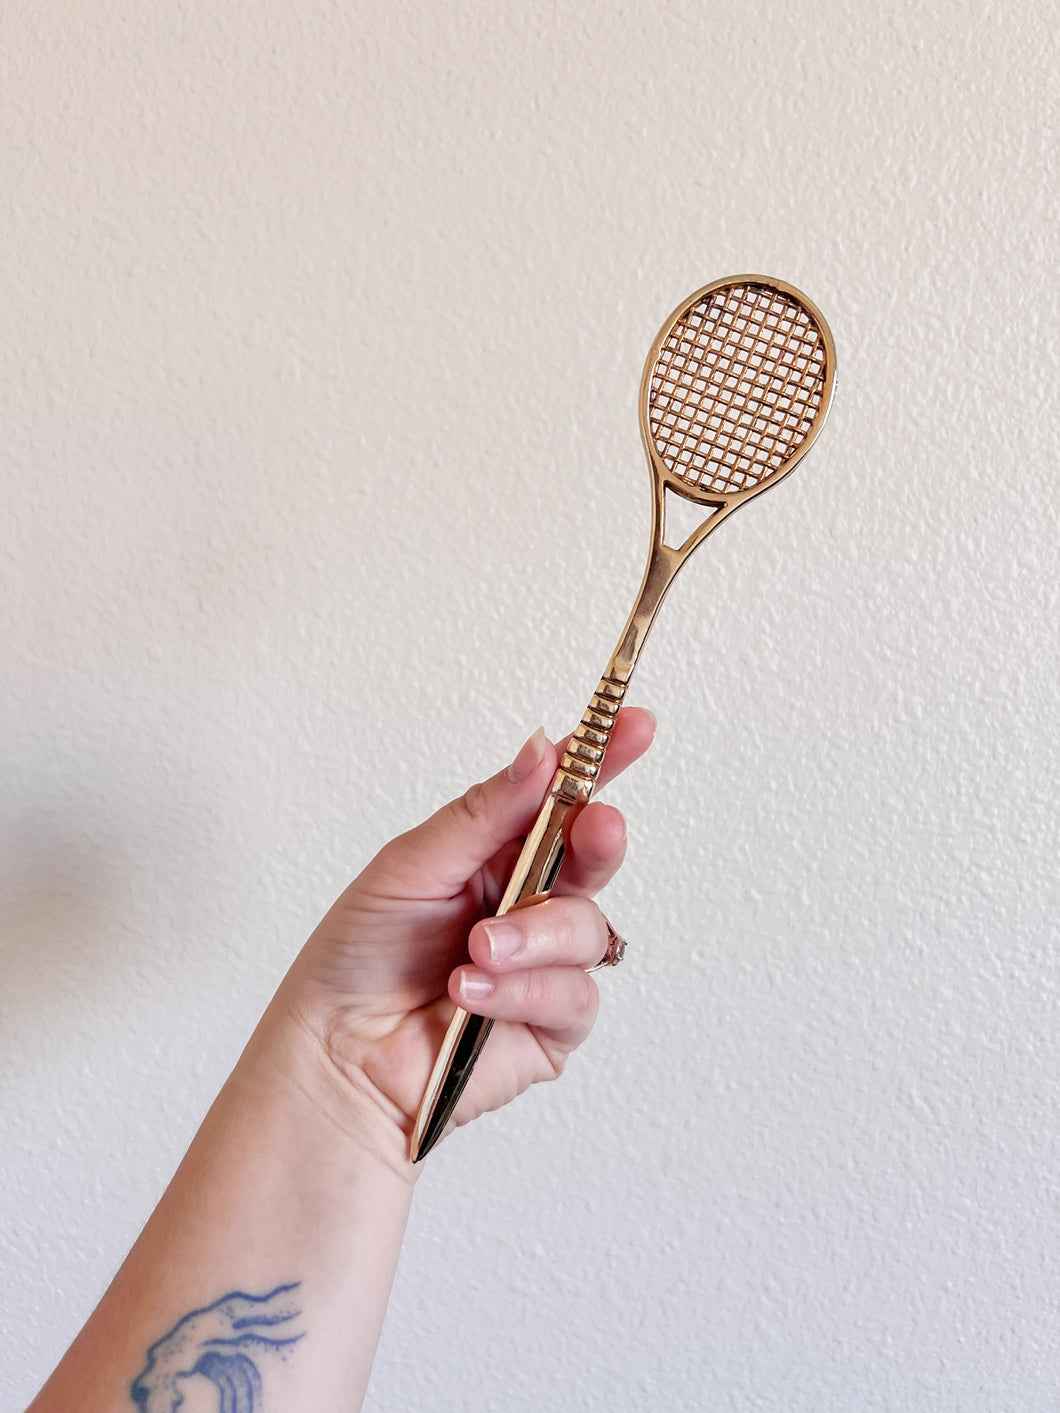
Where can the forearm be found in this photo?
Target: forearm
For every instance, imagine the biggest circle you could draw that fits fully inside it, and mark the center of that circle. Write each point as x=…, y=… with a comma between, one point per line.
x=296, y=1188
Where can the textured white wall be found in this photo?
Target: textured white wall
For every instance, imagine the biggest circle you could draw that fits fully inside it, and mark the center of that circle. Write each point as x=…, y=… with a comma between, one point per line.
x=320, y=333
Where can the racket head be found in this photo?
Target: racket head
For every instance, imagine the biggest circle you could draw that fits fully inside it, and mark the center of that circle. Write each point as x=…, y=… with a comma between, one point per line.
x=736, y=389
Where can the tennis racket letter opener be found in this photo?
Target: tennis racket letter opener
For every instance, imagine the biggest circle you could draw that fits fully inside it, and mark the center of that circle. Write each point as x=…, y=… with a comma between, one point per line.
x=735, y=390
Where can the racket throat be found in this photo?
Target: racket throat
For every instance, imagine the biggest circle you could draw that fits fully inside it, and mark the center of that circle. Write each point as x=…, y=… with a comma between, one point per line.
x=662, y=566
x=682, y=523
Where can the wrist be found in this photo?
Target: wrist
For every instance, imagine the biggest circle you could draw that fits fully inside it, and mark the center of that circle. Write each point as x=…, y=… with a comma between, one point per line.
x=336, y=1109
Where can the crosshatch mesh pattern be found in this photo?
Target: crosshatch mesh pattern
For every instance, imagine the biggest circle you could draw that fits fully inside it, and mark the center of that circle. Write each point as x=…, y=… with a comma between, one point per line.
x=736, y=387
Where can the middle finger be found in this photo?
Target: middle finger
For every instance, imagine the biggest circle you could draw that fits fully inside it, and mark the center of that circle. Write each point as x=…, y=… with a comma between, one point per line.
x=561, y=931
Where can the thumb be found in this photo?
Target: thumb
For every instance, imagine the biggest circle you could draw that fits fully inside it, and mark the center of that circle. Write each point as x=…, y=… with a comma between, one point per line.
x=439, y=856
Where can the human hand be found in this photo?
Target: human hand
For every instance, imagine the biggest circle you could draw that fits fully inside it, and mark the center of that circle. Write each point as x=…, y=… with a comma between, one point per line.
x=376, y=984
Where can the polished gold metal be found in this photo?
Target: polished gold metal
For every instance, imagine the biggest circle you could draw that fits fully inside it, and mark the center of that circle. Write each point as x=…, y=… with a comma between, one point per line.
x=614, y=952
x=735, y=391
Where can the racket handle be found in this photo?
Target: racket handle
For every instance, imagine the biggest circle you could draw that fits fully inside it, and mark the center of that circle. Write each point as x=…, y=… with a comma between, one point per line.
x=532, y=879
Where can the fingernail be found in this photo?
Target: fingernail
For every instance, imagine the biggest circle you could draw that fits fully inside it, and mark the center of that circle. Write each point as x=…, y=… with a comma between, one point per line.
x=528, y=758
x=474, y=985
x=654, y=718
x=504, y=939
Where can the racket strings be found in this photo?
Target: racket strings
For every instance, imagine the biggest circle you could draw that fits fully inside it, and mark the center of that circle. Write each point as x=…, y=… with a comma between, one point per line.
x=735, y=388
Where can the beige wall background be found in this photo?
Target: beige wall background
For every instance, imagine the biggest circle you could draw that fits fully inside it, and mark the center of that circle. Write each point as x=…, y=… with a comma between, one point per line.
x=320, y=335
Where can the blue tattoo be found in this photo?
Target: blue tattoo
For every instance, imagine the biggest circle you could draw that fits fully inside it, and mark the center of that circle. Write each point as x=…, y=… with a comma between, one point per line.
x=221, y=1344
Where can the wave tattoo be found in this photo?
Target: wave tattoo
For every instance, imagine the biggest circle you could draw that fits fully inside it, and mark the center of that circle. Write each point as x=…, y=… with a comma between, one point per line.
x=223, y=1344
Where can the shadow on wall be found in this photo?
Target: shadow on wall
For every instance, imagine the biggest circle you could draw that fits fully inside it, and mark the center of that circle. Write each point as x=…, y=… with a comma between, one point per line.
x=64, y=918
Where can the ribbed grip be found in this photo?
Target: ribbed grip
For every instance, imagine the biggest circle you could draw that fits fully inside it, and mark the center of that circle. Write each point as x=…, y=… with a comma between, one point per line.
x=585, y=753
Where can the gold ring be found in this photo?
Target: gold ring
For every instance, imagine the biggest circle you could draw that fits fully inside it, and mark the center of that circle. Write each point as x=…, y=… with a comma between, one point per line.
x=616, y=949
